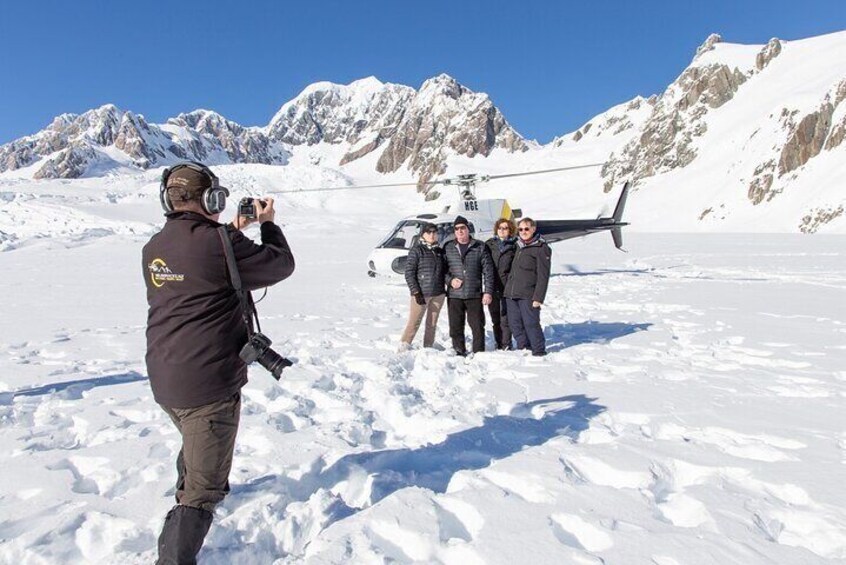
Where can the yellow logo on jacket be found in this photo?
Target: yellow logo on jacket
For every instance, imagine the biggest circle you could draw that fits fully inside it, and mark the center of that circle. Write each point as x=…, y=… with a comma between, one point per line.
x=160, y=273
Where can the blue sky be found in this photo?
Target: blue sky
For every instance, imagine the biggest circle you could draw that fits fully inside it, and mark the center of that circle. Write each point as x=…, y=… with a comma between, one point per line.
x=549, y=66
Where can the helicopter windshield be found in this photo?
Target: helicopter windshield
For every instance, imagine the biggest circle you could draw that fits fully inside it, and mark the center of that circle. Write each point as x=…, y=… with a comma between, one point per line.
x=407, y=233
x=404, y=236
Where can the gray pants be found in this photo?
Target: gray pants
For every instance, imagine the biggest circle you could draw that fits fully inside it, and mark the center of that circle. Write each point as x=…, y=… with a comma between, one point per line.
x=203, y=465
x=208, y=442
x=430, y=311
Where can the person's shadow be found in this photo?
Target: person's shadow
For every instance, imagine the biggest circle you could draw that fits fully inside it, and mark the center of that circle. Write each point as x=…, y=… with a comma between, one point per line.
x=73, y=390
x=562, y=336
x=433, y=466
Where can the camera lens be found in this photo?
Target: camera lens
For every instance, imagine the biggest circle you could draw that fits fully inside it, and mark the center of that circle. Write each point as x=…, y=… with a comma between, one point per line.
x=273, y=362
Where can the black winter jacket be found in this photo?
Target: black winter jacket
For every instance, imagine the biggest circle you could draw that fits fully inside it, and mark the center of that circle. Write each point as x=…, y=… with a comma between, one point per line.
x=195, y=327
x=502, y=257
x=529, y=276
x=424, y=270
x=475, y=268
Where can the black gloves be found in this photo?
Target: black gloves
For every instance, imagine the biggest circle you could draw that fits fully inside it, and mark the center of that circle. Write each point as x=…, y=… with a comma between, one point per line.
x=418, y=297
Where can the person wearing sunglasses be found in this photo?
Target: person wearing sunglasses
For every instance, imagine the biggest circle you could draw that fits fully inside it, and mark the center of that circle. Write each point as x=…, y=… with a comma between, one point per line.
x=525, y=289
x=502, y=246
x=470, y=285
x=424, y=274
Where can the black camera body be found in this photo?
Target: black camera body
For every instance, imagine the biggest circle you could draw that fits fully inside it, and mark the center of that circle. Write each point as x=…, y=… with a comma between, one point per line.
x=247, y=207
x=258, y=349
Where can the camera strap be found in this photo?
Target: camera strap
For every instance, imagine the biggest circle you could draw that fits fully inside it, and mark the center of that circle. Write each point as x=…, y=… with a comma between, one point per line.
x=235, y=277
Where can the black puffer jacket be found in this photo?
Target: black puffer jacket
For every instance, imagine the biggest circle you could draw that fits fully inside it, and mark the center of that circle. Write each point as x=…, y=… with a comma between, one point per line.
x=424, y=270
x=195, y=327
x=502, y=255
x=529, y=276
x=475, y=268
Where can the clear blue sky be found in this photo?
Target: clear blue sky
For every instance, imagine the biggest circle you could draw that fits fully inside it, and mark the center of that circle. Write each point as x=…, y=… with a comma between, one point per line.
x=549, y=66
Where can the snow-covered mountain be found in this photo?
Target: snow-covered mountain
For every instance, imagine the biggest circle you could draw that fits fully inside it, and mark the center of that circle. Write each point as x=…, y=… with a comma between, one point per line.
x=410, y=128
x=743, y=127
x=747, y=137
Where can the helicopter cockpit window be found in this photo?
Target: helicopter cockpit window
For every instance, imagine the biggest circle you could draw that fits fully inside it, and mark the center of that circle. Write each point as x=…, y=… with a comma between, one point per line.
x=404, y=236
x=447, y=233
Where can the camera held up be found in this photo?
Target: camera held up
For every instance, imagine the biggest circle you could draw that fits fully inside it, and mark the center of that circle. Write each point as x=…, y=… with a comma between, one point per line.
x=258, y=349
x=247, y=207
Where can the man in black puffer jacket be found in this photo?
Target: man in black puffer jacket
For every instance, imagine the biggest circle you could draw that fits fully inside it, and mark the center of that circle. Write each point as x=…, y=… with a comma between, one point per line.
x=195, y=330
x=424, y=274
x=470, y=284
x=525, y=288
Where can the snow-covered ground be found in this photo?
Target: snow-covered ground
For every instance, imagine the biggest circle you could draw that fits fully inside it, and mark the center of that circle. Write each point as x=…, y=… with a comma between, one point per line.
x=691, y=409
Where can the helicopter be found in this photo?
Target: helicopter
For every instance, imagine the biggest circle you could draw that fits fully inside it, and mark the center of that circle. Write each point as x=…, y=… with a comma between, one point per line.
x=389, y=257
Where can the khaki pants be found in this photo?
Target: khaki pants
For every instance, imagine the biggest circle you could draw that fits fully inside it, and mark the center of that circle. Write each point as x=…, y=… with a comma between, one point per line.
x=430, y=311
x=208, y=442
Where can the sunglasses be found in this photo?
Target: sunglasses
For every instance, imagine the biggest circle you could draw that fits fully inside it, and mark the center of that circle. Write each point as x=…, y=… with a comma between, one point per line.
x=524, y=229
x=460, y=228
x=430, y=231
x=501, y=228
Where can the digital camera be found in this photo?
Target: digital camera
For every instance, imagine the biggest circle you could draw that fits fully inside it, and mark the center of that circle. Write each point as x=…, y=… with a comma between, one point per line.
x=247, y=207
x=258, y=349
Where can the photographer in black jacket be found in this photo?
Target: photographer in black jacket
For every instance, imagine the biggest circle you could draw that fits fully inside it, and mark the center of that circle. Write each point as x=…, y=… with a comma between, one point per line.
x=424, y=274
x=195, y=329
x=470, y=284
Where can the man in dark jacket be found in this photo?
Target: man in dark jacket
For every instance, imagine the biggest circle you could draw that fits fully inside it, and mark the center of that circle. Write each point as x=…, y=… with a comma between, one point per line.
x=470, y=284
x=525, y=287
x=502, y=246
x=424, y=274
x=195, y=330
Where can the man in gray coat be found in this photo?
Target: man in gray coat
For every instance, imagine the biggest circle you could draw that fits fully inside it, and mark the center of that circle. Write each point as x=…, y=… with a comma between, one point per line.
x=470, y=285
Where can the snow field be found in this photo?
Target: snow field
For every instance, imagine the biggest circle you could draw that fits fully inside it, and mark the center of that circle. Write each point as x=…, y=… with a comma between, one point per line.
x=690, y=410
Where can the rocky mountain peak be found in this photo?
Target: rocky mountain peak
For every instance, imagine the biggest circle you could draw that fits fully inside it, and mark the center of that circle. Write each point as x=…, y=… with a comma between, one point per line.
x=708, y=44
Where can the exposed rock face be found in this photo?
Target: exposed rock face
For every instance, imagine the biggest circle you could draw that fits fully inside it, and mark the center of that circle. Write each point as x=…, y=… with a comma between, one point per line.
x=99, y=125
x=770, y=51
x=712, y=40
x=412, y=129
x=818, y=218
x=838, y=130
x=335, y=113
x=445, y=114
x=69, y=163
x=71, y=143
x=806, y=139
x=615, y=121
x=241, y=144
x=667, y=136
x=762, y=182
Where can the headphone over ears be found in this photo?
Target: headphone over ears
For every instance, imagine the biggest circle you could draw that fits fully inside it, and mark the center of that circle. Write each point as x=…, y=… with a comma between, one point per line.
x=213, y=199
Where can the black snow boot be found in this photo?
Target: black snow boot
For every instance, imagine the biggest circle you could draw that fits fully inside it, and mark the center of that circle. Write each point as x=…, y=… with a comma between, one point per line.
x=182, y=535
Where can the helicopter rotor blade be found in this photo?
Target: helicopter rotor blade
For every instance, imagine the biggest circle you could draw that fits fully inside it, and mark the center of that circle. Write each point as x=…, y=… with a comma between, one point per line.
x=354, y=187
x=527, y=173
x=450, y=181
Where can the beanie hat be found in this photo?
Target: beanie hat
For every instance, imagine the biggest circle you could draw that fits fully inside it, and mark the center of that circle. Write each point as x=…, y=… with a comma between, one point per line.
x=460, y=221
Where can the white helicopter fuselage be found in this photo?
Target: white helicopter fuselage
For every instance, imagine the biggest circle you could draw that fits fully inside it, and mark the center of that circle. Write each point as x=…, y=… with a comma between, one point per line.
x=389, y=257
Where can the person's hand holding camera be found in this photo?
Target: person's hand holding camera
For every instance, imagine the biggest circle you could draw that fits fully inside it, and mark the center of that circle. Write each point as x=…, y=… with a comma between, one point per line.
x=264, y=210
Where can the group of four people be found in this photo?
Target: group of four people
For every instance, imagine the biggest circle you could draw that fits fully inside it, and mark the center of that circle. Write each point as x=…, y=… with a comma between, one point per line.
x=509, y=274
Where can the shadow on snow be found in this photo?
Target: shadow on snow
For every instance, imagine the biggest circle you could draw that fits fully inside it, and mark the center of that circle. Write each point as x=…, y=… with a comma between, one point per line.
x=562, y=336
x=433, y=466
x=72, y=390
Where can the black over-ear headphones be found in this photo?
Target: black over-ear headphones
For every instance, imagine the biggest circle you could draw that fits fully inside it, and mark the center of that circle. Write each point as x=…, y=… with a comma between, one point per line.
x=213, y=199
